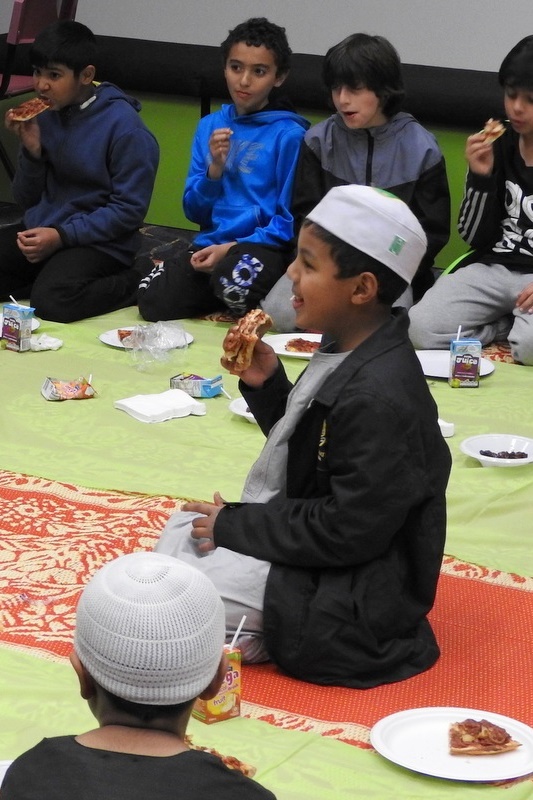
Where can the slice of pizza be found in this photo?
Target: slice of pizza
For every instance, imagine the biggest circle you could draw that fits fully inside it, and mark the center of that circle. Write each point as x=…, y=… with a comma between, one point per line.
x=493, y=130
x=240, y=340
x=30, y=108
x=231, y=762
x=300, y=345
x=473, y=737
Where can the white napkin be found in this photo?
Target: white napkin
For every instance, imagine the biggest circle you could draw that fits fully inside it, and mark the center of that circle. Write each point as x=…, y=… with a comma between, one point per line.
x=160, y=407
x=45, y=342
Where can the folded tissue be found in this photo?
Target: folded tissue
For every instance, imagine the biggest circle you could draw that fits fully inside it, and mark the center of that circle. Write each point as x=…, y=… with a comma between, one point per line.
x=161, y=407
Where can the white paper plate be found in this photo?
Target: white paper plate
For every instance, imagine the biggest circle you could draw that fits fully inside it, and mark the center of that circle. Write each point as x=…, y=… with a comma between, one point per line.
x=34, y=325
x=436, y=363
x=278, y=341
x=112, y=338
x=239, y=407
x=418, y=739
x=496, y=443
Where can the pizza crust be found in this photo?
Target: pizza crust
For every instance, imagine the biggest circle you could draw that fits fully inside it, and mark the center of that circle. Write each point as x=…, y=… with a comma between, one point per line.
x=231, y=762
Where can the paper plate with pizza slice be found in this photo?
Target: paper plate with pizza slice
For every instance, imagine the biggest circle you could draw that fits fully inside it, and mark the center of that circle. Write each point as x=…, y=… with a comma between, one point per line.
x=125, y=337
x=294, y=345
x=420, y=739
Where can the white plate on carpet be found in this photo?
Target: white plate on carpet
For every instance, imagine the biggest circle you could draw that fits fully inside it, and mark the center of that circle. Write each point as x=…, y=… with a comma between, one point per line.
x=239, y=407
x=436, y=363
x=418, y=740
x=112, y=338
x=498, y=443
x=278, y=342
x=34, y=325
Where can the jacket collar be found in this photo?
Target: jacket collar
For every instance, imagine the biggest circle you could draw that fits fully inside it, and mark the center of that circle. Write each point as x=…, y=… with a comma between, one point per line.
x=389, y=336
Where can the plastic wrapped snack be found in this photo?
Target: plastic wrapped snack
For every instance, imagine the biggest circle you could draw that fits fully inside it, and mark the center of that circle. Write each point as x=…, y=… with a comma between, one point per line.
x=54, y=389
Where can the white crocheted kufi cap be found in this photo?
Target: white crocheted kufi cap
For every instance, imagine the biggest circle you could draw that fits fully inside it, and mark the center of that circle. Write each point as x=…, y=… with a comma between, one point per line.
x=376, y=222
x=150, y=629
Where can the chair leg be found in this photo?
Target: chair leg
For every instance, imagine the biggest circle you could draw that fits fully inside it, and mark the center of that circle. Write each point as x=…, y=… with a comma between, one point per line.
x=6, y=161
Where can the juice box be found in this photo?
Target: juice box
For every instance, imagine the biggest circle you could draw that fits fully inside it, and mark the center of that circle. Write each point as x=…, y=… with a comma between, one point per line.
x=226, y=704
x=465, y=363
x=197, y=386
x=16, y=326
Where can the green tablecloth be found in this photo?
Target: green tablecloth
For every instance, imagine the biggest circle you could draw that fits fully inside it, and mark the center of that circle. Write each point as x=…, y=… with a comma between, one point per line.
x=295, y=765
x=90, y=443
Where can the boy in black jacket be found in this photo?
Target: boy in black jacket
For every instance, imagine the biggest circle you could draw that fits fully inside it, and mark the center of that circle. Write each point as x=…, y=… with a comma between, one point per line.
x=336, y=547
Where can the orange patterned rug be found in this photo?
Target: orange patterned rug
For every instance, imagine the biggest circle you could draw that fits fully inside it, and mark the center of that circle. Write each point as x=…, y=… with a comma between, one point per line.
x=54, y=536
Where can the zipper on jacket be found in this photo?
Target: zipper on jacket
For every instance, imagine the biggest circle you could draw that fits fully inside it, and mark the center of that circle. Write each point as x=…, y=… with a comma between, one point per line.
x=369, y=157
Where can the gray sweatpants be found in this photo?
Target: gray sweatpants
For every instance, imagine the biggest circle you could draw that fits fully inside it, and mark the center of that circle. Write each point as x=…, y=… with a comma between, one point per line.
x=240, y=581
x=481, y=299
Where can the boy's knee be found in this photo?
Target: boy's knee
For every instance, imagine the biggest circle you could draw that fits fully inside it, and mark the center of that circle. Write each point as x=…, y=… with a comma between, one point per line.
x=48, y=306
x=418, y=332
x=522, y=346
x=277, y=304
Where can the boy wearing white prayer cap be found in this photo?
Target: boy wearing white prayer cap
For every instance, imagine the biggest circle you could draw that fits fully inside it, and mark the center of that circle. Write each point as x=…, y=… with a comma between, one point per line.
x=346, y=503
x=149, y=640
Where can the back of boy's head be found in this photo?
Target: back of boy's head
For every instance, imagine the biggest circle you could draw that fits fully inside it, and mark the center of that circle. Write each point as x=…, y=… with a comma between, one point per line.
x=366, y=61
x=516, y=70
x=150, y=629
x=257, y=32
x=65, y=42
x=371, y=230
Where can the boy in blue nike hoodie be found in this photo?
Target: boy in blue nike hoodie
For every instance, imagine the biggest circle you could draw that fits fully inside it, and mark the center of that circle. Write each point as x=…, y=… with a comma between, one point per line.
x=238, y=188
x=84, y=179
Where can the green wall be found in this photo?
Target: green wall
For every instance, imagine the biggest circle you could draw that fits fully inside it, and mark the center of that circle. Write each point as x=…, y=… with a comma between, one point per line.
x=173, y=121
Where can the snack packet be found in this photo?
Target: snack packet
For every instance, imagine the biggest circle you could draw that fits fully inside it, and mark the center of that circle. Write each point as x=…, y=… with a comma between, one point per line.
x=54, y=389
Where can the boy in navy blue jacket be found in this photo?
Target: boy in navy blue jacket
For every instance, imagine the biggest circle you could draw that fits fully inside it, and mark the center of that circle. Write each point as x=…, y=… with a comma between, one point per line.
x=84, y=178
x=238, y=188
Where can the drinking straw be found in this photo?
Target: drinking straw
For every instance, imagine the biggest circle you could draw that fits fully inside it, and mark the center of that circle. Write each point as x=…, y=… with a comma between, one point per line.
x=236, y=635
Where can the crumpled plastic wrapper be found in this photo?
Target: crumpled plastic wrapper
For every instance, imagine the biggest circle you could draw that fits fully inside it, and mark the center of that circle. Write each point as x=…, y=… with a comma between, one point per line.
x=156, y=342
x=79, y=389
x=44, y=342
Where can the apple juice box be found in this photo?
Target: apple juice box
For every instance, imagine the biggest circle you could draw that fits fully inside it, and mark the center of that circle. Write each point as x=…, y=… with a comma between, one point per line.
x=226, y=704
x=465, y=363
